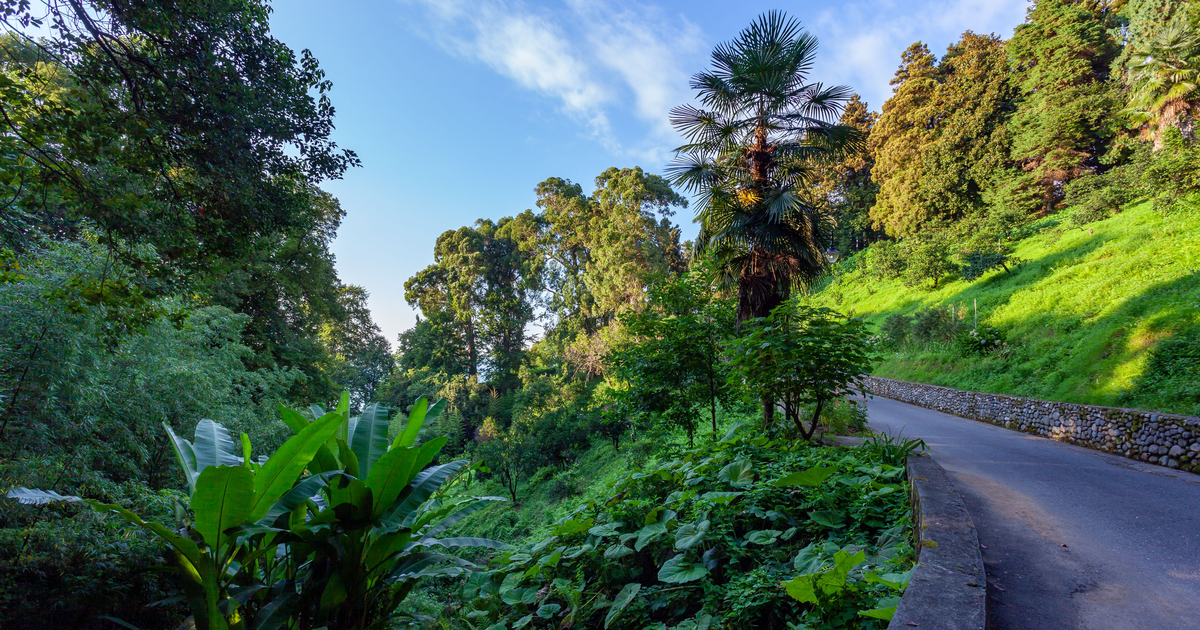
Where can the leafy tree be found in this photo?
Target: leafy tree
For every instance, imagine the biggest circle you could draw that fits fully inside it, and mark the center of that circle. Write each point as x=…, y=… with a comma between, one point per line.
x=481, y=283
x=927, y=259
x=751, y=156
x=896, y=141
x=942, y=137
x=847, y=186
x=183, y=125
x=800, y=356
x=671, y=366
x=1061, y=57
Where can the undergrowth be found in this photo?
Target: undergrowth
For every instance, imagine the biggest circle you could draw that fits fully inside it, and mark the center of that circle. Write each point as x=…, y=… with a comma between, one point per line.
x=742, y=532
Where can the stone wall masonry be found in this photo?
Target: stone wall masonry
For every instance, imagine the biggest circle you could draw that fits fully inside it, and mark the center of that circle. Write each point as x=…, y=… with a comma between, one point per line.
x=1146, y=436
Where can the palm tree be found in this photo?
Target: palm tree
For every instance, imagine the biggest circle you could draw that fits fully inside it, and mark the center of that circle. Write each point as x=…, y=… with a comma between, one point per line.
x=1164, y=76
x=752, y=156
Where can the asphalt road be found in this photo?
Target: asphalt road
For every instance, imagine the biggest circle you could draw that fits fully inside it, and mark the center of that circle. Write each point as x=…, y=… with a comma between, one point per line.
x=1072, y=538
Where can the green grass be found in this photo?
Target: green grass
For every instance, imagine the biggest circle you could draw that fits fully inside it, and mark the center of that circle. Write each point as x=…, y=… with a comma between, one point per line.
x=1083, y=316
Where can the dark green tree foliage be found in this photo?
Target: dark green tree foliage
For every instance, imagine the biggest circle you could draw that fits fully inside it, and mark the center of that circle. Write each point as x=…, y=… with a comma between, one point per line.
x=942, y=137
x=82, y=411
x=671, y=367
x=751, y=158
x=847, y=185
x=183, y=125
x=483, y=283
x=1061, y=57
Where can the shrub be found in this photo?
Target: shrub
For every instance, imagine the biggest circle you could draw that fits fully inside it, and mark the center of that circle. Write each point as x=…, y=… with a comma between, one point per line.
x=928, y=260
x=981, y=340
x=977, y=262
x=934, y=325
x=886, y=261
x=895, y=330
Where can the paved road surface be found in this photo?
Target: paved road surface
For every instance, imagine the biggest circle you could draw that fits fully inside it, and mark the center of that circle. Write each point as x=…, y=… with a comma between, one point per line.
x=1074, y=538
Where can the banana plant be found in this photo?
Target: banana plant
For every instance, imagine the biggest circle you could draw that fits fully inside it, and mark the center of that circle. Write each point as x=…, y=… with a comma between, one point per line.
x=372, y=533
x=226, y=491
x=269, y=547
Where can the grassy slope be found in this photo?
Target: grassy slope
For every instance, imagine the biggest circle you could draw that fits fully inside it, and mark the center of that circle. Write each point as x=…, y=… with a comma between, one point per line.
x=1081, y=316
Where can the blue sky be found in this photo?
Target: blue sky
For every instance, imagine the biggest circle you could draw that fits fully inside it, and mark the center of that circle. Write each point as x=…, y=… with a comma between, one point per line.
x=459, y=108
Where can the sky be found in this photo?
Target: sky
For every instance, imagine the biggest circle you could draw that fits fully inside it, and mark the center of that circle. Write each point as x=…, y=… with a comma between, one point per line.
x=458, y=108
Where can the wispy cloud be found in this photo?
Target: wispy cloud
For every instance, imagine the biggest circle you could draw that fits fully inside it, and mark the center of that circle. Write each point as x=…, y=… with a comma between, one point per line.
x=593, y=58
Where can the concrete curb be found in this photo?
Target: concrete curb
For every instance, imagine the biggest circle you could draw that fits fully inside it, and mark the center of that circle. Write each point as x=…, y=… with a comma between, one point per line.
x=948, y=588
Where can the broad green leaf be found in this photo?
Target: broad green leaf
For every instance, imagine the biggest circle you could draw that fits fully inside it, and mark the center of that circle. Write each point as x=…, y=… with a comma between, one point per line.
x=421, y=413
x=679, y=570
x=812, y=477
x=522, y=622
x=885, y=614
x=369, y=441
x=739, y=473
x=809, y=559
x=764, y=536
x=352, y=498
x=391, y=475
x=828, y=518
x=422, y=487
x=896, y=581
x=721, y=497
x=347, y=457
x=573, y=526
x=547, y=611
x=608, y=529
x=621, y=601
x=801, y=588
x=731, y=435
x=648, y=534
x=293, y=419
x=689, y=535
x=617, y=551
x=223, y=498
x=279, y=473
x=246, y=460
x=186, y=457
x=213, y=446
x=295, y=497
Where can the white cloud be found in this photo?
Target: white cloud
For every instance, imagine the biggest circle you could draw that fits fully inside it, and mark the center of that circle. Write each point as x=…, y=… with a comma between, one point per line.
x=593, y=58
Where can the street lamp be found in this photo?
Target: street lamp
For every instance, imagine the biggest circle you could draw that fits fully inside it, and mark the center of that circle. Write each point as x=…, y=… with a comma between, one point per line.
x=832, y=255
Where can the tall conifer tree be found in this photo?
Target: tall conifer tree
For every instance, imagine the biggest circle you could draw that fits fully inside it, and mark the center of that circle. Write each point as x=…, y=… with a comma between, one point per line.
x=1062, y=55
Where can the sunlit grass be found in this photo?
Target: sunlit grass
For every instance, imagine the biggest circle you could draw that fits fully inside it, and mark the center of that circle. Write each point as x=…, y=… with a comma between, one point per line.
x=1082, y=315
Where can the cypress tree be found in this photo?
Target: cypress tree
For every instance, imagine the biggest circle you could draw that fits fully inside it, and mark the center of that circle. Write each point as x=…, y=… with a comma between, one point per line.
x=1061, y=56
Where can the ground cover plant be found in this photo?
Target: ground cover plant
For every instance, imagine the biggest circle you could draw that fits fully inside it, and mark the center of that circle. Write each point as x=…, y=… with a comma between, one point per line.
x=748, y=532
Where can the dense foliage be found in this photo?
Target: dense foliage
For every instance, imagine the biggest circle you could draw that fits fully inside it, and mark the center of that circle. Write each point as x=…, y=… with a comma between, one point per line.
x=733, y=535
x=261, y=546
x=165, y=252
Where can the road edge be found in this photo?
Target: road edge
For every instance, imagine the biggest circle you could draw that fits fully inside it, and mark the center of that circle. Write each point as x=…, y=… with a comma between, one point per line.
x=948, y=588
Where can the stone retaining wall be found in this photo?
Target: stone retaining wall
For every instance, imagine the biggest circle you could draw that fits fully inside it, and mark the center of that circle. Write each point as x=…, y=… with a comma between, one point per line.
x=1155, y=438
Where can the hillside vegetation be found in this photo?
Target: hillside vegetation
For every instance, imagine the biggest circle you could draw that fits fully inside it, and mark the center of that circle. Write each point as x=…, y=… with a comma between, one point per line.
x=1108, y=315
